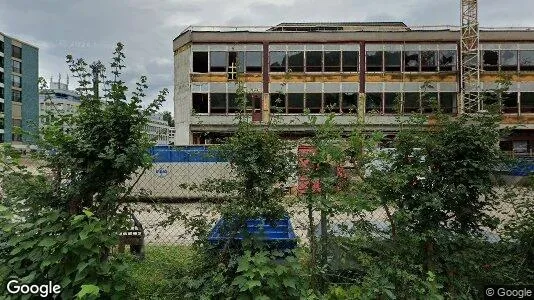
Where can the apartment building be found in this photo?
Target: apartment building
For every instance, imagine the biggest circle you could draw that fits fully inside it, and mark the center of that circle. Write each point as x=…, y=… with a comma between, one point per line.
x=370, y=72
x=19, y=104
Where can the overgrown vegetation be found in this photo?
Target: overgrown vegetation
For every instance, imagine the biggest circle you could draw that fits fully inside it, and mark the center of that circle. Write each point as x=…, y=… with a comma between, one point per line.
x=60, y=223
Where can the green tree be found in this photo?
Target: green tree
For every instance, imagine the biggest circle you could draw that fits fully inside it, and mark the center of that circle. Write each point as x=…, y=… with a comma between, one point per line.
x=167, y=116
x=60, y=222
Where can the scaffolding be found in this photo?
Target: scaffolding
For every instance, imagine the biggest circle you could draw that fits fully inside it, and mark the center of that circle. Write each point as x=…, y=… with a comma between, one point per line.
x=470, y=58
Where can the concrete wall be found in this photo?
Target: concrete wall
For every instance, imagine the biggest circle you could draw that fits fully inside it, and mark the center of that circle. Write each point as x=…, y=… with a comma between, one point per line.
x=30, y=90
x=182, y=96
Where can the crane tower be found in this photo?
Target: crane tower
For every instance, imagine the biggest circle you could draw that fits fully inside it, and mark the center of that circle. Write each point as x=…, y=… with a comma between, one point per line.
x=469, y=58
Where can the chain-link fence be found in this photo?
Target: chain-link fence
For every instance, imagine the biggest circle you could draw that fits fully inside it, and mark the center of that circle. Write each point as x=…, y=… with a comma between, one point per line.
x=163, y=191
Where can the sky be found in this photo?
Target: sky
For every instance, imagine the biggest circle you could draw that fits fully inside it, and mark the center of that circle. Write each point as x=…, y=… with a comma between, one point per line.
x=90, y=28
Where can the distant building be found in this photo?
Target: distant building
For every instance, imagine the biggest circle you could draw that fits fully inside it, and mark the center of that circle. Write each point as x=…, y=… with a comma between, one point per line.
x=58, y=100
x=172, y=135
x=158, y=130
x=19, y=95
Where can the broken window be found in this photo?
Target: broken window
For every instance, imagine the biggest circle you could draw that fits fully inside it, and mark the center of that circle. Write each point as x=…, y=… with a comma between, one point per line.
x=234, y=103
x=508, y=60
x=313, y=102
x=278, y=103
x=277, y=61
x=332, y=61
x=200, y=62
x=254, y=61
x=350, y=61
x=429, y=61
x=447, y=102
x=447, y=60
x=331, y=102
x=218, y=61
x=374, y=61
x=429, y=101
x=509, y=103
x=236, y=64
x=349, y=102
x=526, y=60
x=391, y=103
x=295, y=103
x=392, y=61
x=200, y=103
x=411, y=61
x=314, y=61
x=295, y=61
x=490, y=60
x=373, y=103
x=527, y=102
x=411, y=103
x=218, y=103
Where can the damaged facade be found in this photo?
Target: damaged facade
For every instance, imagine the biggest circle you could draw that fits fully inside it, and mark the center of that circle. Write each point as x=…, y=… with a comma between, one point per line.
x=370, y=72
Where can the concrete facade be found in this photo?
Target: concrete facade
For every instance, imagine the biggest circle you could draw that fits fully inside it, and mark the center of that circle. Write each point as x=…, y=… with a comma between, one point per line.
x=391, y=70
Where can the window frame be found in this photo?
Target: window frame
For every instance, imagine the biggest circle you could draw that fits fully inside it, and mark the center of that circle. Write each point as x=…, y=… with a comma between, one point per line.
x=315, y=109
x=280, y=69
x=376, y=68
x=219, y=67
x=16, y=83
x=13, y=52
x=295, y=56
x=332, y=68
x=315, y=68
x=295, y=109
x=351, y=68
x=416, y=68
x=207, y=102
x=207, y=67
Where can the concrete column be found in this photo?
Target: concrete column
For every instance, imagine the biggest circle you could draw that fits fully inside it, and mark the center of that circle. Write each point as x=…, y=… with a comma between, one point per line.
x=361, y=107
x=266, y=108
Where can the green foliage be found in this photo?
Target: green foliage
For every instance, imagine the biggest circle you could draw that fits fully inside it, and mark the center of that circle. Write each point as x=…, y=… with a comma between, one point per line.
x=62, y=220
x=67, y=250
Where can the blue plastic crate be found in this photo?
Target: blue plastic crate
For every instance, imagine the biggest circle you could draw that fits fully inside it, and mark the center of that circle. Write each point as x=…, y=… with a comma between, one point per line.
x=278, y=235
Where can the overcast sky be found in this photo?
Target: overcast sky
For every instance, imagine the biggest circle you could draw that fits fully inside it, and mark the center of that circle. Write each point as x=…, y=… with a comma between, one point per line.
x=91, y=28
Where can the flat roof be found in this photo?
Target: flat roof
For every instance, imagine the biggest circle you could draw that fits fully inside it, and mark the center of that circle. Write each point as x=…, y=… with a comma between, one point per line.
x=15, y=39
x=371, y=34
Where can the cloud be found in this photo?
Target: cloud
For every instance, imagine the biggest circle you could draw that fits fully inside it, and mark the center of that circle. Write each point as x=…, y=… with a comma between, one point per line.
x=90, y=28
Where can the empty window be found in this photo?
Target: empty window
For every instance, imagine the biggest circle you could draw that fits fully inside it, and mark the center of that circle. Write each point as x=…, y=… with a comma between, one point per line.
x=218, y=103
x=17, y=67
x=295, y=103
x=200, y=103
x=374, y=61
x=278, y=103
x=277, y=61
x=350, y=61
x=392, y=61
x=332, y=61
x=429, y=61
x=295, y=61
x=373, y=103
x=527, y=102
x=1, y=46
x=17, y=82
x=313, y=102
x=16, y=96
x=490, y=60
x=1, y=77
x=411, y=103
x=447, y=60
x=236, y=64
x=349, y=102
x=526, y=60
x=1, y=92
x=254, y=101
x=447, y=102
x=16, y=52
x=314, y=61
x=331, y=102
x=411, y=61
x=1, y=61
x=391, y=103
x=235, y=104
x=1, y=107
x=509, y=60
x=200, y=62
x=218, y=61
x=254, y=61
x=509, y=103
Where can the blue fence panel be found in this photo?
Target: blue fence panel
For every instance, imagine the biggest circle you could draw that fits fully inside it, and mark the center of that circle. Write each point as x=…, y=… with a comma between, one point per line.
x=184, y=154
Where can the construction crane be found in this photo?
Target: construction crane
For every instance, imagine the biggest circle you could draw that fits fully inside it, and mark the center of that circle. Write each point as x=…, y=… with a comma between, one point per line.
x=470, y=59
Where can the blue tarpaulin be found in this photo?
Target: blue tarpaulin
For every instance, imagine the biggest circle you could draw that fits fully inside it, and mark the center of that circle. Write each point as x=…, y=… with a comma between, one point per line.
x=180, y=154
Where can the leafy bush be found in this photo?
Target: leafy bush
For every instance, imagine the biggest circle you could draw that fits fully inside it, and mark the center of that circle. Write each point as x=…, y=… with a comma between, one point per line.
x=66, y=250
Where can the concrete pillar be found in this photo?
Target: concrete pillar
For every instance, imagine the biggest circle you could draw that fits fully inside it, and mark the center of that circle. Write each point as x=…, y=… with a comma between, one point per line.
x=361, y=107
x=266, y=108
